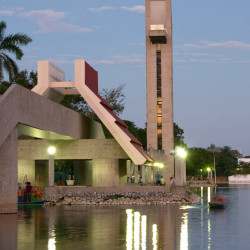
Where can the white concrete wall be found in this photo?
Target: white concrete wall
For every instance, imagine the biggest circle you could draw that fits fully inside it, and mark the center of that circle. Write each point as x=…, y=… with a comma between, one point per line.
x=26, y=168
x=8, y=171
x=239, y=179
x=71, y=149
x=105, y=173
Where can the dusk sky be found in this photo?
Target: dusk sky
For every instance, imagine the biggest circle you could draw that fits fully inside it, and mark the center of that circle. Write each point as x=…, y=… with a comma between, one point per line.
x=211, y=44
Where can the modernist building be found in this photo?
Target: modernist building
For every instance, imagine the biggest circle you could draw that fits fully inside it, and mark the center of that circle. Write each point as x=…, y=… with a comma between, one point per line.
x=31, y=121
x=159, y=74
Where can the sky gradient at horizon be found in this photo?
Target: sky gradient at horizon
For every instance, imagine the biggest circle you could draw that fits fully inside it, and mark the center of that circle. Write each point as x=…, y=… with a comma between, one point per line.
x=211, y=53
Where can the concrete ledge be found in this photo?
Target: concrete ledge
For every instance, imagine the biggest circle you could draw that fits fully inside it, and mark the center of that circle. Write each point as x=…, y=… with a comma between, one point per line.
x=179, y=190
x=81, y=189
x=117, y=196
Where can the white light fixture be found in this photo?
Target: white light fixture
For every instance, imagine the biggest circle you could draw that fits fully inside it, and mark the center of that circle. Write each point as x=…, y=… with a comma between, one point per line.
x=158, y=164
x=181, y=152
x=51, y=150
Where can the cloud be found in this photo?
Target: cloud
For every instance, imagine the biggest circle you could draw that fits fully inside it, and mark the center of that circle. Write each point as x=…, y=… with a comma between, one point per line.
x=197, y=54
x=137, y=8
x=142, y=44
x=100, y=9
x=176, y=60
x=50, y=21
x=201, y=60
x=133, y=59
x=219, y=45
x=61, y=62
x=6, y=13
x=243, y=61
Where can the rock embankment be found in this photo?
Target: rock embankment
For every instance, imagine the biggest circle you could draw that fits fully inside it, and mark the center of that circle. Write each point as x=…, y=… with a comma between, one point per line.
x=129, y=198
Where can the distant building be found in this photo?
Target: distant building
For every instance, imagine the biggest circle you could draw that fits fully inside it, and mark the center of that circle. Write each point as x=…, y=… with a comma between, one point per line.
x=243, y=160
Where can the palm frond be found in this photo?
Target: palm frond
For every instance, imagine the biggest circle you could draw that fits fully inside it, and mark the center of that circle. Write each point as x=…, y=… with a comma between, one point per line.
x=12, y=48
x=10, y=66
x=1, y=69
x=2, y=28
x=11, y=44
x=17, y=39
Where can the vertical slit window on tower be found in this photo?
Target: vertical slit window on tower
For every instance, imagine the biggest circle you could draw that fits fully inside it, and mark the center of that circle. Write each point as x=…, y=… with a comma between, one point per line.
x=159, y=100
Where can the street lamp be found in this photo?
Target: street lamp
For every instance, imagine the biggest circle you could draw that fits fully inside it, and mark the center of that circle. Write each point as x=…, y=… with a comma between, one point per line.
x=179, y=152
x=208, y=173
x=213, y=149
x=51, y=151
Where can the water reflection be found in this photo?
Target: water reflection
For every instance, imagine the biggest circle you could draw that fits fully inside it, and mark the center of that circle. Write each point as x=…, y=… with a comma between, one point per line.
x=8, y=231
x=143, y=232
x=209, y=234
x=137, y=227
x=137, y=216
x=184, y=233
x=208, y=194
x=52, y=241
x=69, y=227
x=155, y=236
x=143, y=227
x=129, y=236
x=52, y=235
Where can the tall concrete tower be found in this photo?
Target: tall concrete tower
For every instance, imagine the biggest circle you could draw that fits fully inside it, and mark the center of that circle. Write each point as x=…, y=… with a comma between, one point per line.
x=159, y=73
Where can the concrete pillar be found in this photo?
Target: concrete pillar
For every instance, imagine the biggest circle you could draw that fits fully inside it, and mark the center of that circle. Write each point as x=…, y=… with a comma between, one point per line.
x=136, y=173
x=143, y=173
x=149, y=175
x=8, y=231
x=129, y=172
x=211, y=176
x=8, y=171
x=51, y=170
x=105, y=172
x=180, y=171
x=154, y=173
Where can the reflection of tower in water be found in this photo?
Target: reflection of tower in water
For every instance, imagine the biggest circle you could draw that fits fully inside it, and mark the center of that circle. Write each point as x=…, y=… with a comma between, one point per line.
x=150, y=229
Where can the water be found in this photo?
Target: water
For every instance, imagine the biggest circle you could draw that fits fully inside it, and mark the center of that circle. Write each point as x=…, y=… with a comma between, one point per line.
x=125, y=227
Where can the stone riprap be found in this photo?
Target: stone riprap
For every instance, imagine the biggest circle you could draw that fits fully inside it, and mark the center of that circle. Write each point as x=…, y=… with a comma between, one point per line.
x=118, y=198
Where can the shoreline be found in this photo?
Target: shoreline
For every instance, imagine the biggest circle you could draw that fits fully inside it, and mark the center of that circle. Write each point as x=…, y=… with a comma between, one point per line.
x=118, y=196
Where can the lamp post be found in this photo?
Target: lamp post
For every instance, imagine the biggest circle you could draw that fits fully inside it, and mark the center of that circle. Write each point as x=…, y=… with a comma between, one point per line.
x=214, y=171
x=208, y=173
x=51, y=151
x=173, y=152
x=213, y=148
x=179, y=165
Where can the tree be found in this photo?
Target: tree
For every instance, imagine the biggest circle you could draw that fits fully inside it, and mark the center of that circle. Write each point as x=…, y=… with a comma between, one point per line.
x=10, y=44
x=178, y=136
x=198, y=159
x=114, y=97
x=23, y=78
x=227, y=162
x=139, y=133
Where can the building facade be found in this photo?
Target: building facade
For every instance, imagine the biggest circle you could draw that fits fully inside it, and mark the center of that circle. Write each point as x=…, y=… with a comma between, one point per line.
x=159, y=77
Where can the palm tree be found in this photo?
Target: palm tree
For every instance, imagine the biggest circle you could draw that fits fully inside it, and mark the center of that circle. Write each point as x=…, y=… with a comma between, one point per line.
x=10, y=45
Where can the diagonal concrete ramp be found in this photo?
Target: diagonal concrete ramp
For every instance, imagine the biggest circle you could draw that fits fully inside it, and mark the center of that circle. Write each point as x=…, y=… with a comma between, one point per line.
x=20, y=105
